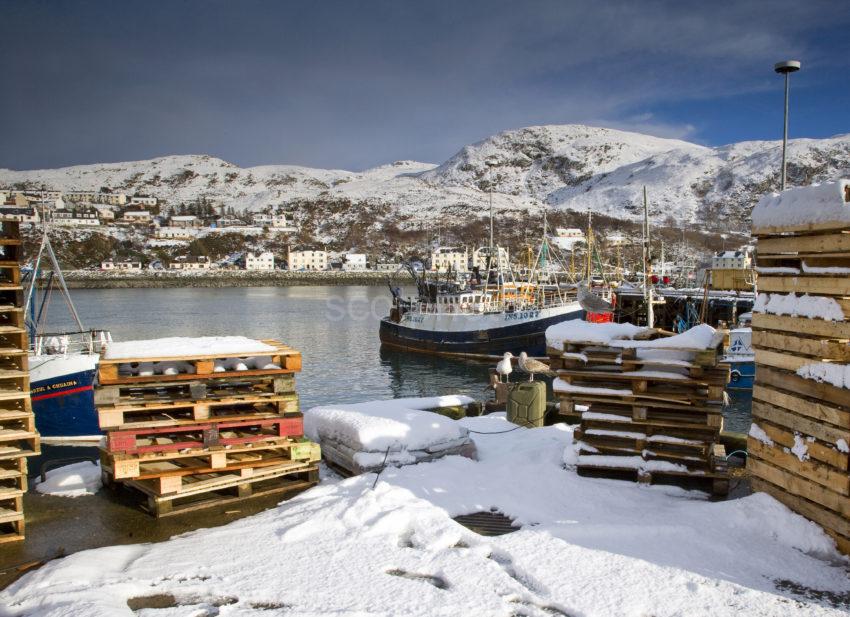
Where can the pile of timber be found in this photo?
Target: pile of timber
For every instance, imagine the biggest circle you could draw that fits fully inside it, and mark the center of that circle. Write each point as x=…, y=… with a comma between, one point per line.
x=195, y=431
x=18, y=437
x=650, y=414
x=798, y=444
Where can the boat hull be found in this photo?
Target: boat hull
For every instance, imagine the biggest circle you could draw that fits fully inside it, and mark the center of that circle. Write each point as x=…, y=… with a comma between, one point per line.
x=503, y=334
x=62, y=395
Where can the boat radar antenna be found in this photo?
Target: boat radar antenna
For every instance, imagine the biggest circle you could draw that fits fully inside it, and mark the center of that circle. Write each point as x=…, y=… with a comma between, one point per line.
x=46, y=248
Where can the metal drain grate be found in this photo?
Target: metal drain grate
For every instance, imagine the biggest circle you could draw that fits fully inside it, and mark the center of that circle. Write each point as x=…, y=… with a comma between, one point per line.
x=487, y=523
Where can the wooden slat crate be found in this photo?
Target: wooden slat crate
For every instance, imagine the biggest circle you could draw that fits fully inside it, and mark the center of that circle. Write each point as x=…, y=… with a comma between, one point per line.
x=798, y=447
x=651, y=418
x=113, y=371
x=204, y=438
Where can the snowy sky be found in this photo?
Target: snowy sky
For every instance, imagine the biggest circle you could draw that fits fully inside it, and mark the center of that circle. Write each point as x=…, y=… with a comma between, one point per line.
x=351, y=85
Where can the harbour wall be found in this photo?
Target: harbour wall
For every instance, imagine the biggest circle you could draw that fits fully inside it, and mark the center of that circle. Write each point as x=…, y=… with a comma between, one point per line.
x=83, y=279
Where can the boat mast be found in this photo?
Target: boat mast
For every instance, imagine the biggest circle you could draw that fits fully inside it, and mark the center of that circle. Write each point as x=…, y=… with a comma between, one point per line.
x=589, y=264
x=647, y=264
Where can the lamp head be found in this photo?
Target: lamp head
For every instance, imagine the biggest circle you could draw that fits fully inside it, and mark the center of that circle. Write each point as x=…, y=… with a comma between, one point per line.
x=787, y=66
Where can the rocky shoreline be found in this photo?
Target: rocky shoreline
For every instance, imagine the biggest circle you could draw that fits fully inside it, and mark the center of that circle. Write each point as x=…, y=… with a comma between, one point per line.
x=84, y=279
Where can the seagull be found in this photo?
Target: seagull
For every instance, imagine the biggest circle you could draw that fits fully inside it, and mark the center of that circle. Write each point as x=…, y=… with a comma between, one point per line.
x=504, y=368
x=590, y=302
x=532, y=366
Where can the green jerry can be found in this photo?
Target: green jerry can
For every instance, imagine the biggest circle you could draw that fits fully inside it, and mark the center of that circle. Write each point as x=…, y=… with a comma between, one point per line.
x=527, y=403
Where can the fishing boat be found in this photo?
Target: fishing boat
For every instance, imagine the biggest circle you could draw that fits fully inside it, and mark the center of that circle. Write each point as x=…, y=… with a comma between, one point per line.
x=62, y=363
x=740, y=355
x=488, y=313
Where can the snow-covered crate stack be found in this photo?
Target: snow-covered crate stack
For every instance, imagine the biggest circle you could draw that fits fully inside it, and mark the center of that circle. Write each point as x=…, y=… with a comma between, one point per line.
x=364, y=437
x=650, y=404
x=18, y=436
x=196, y=422
x=798, y=444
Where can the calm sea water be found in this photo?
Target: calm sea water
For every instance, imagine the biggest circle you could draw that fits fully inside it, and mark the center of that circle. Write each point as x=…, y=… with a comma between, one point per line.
x=335, y=328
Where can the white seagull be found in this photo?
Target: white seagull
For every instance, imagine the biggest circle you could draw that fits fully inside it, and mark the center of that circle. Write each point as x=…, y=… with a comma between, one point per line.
x=532, y=366
x=504, y=368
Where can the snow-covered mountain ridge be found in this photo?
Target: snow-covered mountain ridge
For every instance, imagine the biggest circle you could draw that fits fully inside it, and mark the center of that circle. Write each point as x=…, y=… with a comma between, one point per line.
x=563, y=166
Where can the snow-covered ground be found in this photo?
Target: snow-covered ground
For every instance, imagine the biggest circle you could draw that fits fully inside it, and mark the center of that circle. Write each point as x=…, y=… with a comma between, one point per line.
x=587, y=547
x=76, y=480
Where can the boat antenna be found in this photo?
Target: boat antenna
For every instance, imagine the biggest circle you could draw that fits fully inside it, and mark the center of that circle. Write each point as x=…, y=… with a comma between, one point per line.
x=647, y=264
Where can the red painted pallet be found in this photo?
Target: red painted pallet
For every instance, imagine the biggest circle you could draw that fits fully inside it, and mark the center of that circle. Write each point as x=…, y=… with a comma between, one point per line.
x=202, y=435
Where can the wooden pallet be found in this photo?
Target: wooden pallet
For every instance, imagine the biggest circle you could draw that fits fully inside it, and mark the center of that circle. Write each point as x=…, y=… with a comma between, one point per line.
x=11, y=316
x=181, y=474
x=149, y=464
x=220, y=491
x=715, y=482
x=12, y=523
x=203, y=434
x=112, y=372
x=183, y=413
x=131, y=395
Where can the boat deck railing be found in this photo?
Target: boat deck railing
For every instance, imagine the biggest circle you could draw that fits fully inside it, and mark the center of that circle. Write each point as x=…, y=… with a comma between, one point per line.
x=65, y=343
x=485, y=308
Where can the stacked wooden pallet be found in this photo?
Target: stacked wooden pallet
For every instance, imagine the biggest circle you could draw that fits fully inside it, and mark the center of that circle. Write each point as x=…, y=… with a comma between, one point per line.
x=648, y=413
x=193, y=431
x=798, y=445
x=18, y=437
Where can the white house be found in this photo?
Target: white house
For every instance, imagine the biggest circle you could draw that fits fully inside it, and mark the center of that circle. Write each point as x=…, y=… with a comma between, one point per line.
x=113, y=199
x=616, y=239
x=444, y=258
x=307, y=260
x=566, y=238
x=354, y=262
x=263, y=261
x=142, y=200
x=76, y=219
x=191, y=263
x=479, y=258
x=137, y=217
x=105, y=213
x=731, y=260
x=175, y=233
x=127, y=266
x=276, y=221
x=184, y=220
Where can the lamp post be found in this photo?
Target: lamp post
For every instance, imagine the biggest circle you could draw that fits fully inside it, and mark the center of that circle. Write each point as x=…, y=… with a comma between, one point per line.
x=785, y=68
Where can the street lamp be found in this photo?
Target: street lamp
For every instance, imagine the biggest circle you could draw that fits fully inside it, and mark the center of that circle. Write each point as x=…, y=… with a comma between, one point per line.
x=785, y=68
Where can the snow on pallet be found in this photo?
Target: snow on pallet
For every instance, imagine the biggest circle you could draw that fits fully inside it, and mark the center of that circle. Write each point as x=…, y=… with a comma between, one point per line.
x=653, y=402
x=178, y=358
x=798, y=443
x=363, y=437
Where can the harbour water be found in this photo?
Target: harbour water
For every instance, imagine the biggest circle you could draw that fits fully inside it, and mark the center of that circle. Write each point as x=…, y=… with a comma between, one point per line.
x=335, y=328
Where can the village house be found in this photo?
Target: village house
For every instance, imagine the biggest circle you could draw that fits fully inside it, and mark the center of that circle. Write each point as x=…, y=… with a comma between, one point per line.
x=387, y=266
x=731, y=260
x=229, y=221
x=445, y=258
x=105, y=213
x=354, y=262
x=112, y=199
x=125, y=266
x=143, y=200
x=276, y=221
x=175, y=233
x=481, y=255
x=307, y=260
x=137, y=217
x=185, y=221
x=191, y=263
x=263, y=261
x=75, y=218
x=566, y=238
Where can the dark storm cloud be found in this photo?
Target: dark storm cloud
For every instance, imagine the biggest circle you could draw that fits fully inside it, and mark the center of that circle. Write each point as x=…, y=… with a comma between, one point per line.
x=355, y=84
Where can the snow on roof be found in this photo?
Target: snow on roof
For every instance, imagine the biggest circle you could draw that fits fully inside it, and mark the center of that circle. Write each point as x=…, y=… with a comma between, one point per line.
x=398, y=424
x=186, y=346
x=815, y=204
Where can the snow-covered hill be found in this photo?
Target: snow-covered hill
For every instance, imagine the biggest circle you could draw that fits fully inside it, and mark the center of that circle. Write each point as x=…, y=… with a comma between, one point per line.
x=565, y=166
